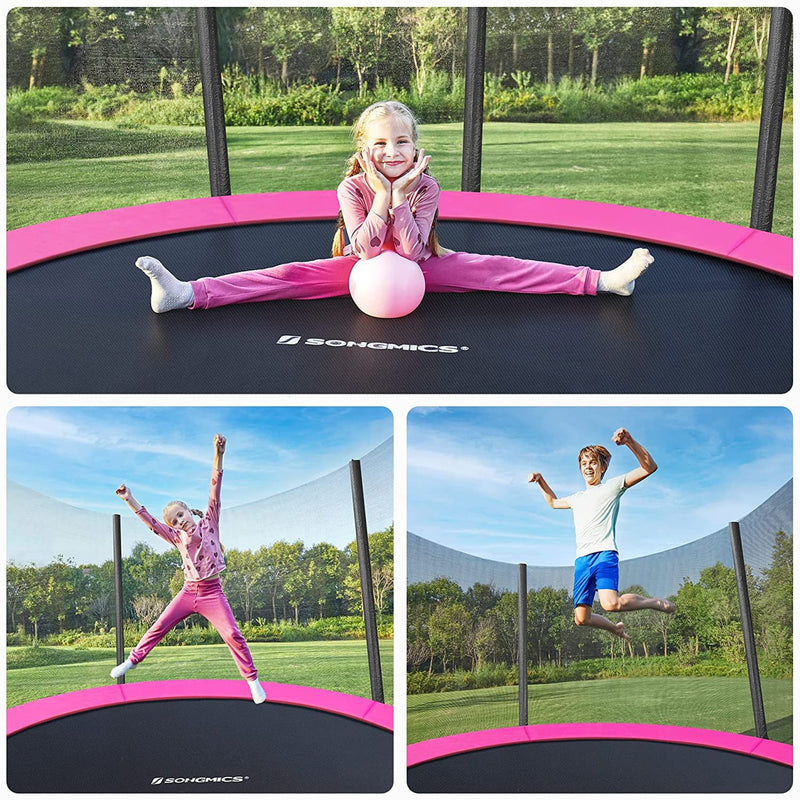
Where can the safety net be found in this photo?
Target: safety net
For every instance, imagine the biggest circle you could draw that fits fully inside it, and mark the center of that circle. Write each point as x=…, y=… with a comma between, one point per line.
x=686, y=669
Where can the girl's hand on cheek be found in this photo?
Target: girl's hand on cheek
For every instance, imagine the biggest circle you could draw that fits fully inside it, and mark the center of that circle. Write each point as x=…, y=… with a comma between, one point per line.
x=406, y=182
x=378, y=182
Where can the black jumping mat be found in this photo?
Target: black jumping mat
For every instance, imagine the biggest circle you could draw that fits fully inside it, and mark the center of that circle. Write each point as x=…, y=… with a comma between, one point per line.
x=600, y=765
x=695, y=324
x=201, y=745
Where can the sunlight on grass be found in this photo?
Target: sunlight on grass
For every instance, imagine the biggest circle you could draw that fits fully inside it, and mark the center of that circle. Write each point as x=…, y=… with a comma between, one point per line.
x=338, y=666
x=700, y=169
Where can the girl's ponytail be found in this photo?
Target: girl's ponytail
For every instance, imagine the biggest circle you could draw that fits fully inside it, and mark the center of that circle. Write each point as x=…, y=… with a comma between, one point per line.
x=353, y=168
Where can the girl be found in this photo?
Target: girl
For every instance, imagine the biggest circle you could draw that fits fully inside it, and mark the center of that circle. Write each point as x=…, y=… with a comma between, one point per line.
x=388, y=201
x=203, y=560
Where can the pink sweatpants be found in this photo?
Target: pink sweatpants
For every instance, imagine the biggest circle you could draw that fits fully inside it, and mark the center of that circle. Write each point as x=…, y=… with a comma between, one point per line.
x=208, y=599
x=454, y=272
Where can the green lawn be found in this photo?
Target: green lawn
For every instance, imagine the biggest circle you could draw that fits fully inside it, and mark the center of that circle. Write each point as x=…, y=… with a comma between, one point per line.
x=704, y=169
x=339, y=666
x=714, y=703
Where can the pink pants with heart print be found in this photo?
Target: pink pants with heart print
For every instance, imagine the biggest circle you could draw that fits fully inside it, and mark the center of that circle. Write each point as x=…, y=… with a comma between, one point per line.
x=207, y=599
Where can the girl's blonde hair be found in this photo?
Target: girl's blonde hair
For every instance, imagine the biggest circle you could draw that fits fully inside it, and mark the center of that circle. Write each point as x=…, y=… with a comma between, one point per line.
x=196, y=511
x=380, y=110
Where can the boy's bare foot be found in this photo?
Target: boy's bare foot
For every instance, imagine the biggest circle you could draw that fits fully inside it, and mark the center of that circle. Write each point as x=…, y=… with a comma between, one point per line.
x=622, y=279
x=167, y=293
x=667, y=606
x=620, y=626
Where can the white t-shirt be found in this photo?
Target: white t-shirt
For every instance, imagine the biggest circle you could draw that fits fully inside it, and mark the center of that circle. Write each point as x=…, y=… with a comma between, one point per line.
x=594, y=511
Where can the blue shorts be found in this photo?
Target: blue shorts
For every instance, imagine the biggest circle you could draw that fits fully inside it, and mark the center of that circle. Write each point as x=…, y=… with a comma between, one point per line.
x=592, y=572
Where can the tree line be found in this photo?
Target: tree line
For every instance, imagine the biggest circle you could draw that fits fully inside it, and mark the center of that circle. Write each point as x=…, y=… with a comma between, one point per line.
x=451, y=629
x=281, y=581
x=153, y=49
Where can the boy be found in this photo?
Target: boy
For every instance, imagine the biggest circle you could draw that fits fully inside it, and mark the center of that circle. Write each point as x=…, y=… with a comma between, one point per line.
x=595, y=512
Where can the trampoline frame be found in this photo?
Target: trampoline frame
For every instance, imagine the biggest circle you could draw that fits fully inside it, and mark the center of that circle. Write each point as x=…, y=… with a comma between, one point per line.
x=37, y=243
x=433, y=749
x=36, y=712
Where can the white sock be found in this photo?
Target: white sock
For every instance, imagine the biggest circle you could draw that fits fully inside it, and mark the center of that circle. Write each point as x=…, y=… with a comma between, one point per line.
x=257, y=690
x=167, y=293
x=122, y=668
x=622, y=279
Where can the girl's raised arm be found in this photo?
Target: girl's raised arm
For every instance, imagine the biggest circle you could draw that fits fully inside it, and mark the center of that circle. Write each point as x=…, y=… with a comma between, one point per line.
x=159, y=528
x=219, y=451
x=216, y=479
x=124, y=492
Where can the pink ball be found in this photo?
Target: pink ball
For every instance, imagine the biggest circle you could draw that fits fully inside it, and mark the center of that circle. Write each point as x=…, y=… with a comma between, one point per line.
x=387, y=285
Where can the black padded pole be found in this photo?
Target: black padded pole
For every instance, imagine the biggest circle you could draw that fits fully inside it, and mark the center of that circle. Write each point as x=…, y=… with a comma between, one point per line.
x=365, y=573
x=522, y=641
x=747, y=628
x=120, y=637
x=769, y=135
x=473, y=100
x=213, y=110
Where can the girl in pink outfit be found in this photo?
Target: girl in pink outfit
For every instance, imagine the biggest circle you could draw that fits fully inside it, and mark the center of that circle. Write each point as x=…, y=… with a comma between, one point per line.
x=388, y=202
x=203, y=561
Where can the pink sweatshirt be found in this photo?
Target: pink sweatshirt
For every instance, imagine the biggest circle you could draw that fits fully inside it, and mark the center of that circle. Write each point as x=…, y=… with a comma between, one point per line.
x=408, y=227
x=202, y=555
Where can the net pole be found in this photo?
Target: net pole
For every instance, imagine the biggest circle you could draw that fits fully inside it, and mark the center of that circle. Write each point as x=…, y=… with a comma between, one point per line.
x=365, y=574
x=473, y=100
x=769, y=134
x=747, y=628
x=213, y=110
x=120, y=633
x=522, y=641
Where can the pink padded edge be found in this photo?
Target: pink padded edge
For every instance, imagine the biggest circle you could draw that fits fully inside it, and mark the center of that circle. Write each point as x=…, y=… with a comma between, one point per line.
x=497, y=737
x=37, y=243
x=29, y=714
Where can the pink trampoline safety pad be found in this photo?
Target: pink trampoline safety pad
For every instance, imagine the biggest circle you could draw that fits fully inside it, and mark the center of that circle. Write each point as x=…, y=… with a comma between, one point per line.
x=47, y=240
x=432, y=749
x=48, y=708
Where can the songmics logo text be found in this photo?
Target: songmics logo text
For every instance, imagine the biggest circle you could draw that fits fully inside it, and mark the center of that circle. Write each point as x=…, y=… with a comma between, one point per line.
x=411, y=348
x=200, y=779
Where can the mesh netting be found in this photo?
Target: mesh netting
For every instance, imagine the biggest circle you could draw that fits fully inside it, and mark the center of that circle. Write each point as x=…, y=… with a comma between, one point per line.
x=291, y=579
x=686, y=670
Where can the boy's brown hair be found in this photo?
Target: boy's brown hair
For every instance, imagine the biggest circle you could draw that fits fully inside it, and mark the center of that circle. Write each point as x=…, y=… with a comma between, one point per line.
x=599, y=452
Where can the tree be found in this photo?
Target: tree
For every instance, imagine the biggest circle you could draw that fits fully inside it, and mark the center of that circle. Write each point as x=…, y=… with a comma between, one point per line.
x=325, y=565
x=722, y=26
x=244, y=583
x=148, y=608
x=598, y=26
x=35, y=31
x=359, y=35
x=381, y=555
x=285, y=32
x=544, y=607
x=280, y=560
x=450, y=629
x=429, y=33
x=772, y=603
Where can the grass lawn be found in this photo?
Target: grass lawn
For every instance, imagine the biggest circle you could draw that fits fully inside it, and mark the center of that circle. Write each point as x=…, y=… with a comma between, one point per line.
x=63, y=168
x=713, y=703
x=339, y=666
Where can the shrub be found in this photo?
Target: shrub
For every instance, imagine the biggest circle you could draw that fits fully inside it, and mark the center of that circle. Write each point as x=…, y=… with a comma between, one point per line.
x=49, y=102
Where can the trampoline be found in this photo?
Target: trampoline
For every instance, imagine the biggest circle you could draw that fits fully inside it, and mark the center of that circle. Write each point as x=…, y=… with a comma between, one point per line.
x=599, y=758
x=190, y=736
x=714, y=314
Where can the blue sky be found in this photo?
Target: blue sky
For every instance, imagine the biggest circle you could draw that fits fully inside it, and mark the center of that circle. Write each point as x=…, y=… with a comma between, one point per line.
x=80, y=455
x=468, y=468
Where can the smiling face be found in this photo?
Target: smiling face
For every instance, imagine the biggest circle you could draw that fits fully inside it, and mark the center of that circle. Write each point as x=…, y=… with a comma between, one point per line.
x=392, y=146
x=593, y=462
x=177, y=515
